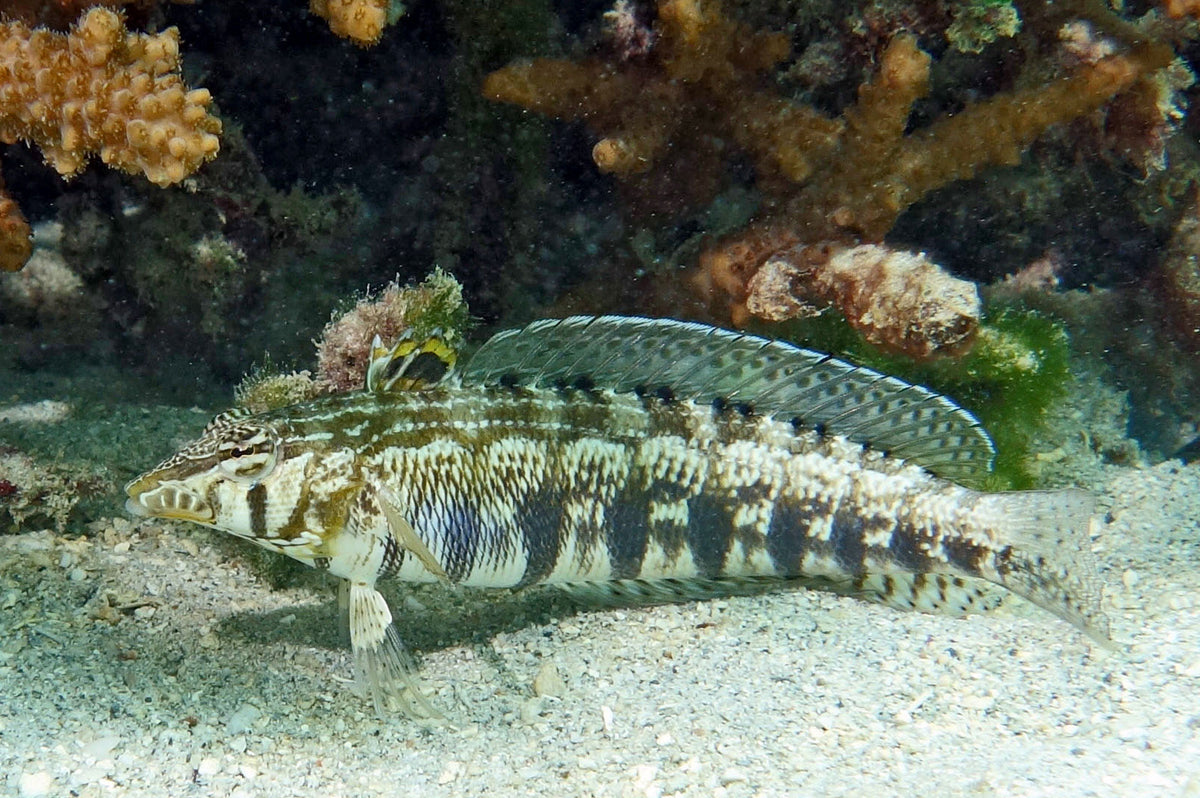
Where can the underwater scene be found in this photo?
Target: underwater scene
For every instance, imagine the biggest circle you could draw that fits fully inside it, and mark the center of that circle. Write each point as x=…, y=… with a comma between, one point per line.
x=631, y=398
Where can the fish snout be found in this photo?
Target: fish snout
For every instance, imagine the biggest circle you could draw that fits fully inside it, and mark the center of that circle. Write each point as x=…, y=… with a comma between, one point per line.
x=151, y=499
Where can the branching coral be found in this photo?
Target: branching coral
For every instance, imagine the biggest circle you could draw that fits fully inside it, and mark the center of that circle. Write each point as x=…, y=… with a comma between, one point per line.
x=101, y=90
x=832, y=182
x=698, y=87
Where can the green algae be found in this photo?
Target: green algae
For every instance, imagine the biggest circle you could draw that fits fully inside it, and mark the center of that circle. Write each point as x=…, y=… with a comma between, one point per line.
x=1016, y=370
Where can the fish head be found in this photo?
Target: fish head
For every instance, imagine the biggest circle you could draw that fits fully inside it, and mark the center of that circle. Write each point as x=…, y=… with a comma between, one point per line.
x=223, y=478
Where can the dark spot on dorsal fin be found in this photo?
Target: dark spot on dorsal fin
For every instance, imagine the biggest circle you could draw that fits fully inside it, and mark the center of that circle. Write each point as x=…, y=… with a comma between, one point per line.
x=509, y=381
x=744, y=409
x=720, y=405
x=583, y=382
x=821, y=430
x=664, y=394
x=640, y=391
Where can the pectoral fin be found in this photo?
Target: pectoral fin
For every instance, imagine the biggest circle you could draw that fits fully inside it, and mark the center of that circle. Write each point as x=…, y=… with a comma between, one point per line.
x=408, y=538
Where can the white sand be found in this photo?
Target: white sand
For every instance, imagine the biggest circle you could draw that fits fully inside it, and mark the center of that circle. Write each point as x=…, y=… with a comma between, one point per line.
x=204, y=681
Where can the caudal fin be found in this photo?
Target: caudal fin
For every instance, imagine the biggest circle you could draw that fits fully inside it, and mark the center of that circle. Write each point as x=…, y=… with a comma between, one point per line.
x=1046, y=554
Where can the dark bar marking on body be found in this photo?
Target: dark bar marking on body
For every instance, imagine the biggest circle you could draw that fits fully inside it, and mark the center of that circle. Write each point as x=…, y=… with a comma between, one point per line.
x=540, y=521
x=257, y=499
x=709, y=532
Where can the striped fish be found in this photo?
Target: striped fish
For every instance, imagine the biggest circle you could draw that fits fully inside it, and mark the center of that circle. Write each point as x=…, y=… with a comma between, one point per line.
x=646, y=458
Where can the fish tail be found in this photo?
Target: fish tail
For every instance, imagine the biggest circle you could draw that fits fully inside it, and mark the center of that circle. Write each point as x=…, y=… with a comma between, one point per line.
x=1045, y=554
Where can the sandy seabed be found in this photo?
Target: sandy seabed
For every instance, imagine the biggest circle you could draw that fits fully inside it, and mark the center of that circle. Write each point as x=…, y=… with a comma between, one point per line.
x=144, y=660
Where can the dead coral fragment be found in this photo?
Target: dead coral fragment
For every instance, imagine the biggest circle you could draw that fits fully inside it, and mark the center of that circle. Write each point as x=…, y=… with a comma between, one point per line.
x=895, y=299
x=33, y=493
x=264, y=389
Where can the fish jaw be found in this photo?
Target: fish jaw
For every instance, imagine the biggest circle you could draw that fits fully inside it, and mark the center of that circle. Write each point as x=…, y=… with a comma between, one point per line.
x=153, y=498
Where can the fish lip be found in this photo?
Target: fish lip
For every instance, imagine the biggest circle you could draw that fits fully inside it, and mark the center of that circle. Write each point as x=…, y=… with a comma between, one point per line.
x=170, y=500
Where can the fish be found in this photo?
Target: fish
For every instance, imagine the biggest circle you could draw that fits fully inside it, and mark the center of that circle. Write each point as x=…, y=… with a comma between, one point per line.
x=632, y=458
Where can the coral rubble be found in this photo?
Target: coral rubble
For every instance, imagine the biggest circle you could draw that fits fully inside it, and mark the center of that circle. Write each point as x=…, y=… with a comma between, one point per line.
x=101, y=90
x=34, y=492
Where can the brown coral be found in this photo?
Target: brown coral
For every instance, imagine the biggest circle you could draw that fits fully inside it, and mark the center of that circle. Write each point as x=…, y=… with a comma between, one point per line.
x=833, y=182
x=1177, y=9
x=60, y=14
x=699, y=87
x=101, y=90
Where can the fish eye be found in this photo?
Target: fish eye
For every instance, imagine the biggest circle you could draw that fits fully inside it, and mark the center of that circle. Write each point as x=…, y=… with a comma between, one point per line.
x=247, y=455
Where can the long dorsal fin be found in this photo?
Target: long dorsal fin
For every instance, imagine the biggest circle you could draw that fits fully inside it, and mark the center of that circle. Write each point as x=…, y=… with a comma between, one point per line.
x=702, y=363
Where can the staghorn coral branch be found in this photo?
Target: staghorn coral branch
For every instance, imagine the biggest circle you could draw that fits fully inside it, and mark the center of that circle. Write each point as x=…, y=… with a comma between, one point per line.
x=878, y=171
x=699, y=85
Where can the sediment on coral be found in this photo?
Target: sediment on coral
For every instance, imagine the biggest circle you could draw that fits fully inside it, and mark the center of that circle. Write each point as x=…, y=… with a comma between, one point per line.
x=103, y=91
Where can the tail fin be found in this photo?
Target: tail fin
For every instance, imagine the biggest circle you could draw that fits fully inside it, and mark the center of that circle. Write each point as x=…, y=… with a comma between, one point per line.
x=1046, y=556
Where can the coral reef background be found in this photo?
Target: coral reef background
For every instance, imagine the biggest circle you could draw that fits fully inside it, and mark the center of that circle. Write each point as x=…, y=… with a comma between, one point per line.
x=997, y=198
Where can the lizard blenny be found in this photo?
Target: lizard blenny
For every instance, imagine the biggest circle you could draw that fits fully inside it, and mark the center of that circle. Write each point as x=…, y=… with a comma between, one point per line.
x=654, y=456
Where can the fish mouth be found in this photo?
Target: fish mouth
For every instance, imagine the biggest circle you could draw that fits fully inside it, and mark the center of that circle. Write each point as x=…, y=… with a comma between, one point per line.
x=167, y=500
